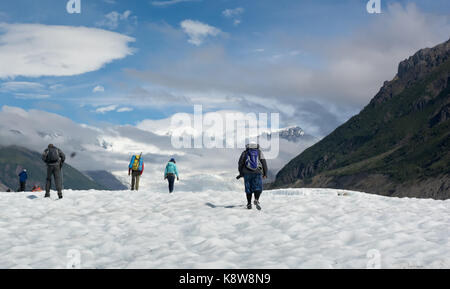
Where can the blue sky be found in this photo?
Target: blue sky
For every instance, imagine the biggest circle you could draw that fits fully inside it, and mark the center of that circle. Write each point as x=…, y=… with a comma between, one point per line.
x=304, y=59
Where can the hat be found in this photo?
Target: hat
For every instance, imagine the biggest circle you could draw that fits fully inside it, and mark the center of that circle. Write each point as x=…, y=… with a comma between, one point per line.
x=253, y=145
x=172, y=160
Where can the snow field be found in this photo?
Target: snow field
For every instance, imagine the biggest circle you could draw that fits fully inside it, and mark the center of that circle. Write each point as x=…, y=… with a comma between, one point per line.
x=298, y=228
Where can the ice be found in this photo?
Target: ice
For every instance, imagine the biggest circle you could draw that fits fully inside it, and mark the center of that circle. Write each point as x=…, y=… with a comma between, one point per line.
x=297, y=228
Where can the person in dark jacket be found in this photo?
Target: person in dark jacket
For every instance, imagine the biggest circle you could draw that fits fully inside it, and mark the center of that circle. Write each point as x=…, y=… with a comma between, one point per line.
x=23, y=176
x=253, y=167
x=54, y=158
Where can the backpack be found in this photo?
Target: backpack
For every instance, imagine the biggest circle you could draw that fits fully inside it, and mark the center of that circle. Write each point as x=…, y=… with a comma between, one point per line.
x=52, y=155
x=136, y=163
x=252, y=161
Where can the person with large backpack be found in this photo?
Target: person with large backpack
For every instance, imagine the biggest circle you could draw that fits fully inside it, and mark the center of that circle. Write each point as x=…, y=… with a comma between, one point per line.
x=54, y=158
x=253, y=167
x=136, y=169
x=170, y=173
x=23, y=176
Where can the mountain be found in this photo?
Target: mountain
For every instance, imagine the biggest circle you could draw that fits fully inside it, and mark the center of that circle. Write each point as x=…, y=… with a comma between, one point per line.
x=14, y=158
x=398, y=145
x=3, y=188
x=107, y=180
x=292, y=141
x=293, y=134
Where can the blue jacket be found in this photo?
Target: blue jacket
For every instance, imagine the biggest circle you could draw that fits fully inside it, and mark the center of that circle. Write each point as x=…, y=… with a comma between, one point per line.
x=23, y=177
x=171, y=168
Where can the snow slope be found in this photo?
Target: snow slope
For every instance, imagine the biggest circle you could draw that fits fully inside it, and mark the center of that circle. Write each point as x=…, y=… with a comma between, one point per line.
x=298, y=228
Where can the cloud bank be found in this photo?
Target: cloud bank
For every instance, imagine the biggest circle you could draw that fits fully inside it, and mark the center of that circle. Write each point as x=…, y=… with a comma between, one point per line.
x=110, y=148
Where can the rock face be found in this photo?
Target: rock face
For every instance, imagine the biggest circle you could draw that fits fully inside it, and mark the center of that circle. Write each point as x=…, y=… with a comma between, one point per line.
x=399, y=144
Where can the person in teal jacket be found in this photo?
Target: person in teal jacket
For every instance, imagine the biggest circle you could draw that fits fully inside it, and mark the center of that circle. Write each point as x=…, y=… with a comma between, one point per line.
x=170, y=173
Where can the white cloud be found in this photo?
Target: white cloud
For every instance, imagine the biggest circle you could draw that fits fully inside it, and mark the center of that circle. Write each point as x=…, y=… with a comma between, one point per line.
x=198, y=31
x=25, y=90
x=31, y=96
x=105, y=109
x=56, y=86
x=234, y=14
x=113, y=19
x=125, y=109
x=113, y=107
x=13, y=86
x=98, y=88
x=170, y=2
x=230, y=13
x=35, y=50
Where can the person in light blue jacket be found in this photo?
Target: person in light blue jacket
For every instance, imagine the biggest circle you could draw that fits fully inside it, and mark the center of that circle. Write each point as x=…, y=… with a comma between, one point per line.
x=170, y=173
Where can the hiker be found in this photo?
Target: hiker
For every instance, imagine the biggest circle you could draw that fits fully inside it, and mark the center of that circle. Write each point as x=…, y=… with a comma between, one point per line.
x=23, y=176
x=170, y=173
x=135, y=169
x=54, y=158
x=253, y=167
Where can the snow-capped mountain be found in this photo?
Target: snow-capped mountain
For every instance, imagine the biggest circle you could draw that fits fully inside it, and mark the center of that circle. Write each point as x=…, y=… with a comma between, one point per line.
x=292, y=134
x=110, y=148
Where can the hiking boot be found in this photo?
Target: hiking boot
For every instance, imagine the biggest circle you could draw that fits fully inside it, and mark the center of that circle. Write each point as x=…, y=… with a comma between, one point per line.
x=47, y=196
x=257, y=205
x=60, y=196
x=249, y=206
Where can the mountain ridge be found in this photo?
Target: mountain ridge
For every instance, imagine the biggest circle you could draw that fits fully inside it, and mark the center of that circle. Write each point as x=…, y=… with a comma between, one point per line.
x=397, y=145
x=15, y=158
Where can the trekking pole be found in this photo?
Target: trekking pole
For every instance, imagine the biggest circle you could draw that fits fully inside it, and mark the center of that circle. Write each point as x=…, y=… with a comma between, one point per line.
x=62, y=178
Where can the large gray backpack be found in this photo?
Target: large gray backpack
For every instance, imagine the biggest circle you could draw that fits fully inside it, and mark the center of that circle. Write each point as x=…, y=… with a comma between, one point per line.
x=52, y=156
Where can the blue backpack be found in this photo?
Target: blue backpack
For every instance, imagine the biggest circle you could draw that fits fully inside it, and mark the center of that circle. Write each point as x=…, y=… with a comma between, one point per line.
x=252, y=161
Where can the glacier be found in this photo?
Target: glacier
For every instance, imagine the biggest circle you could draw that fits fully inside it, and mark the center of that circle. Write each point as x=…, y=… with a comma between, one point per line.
x=297, y=228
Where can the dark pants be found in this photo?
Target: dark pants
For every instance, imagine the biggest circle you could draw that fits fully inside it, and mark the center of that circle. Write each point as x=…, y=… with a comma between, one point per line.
x=249, y=197
x=171, y=179
x=253, y=185
x=54, y=171
x=135, y=178
x=22, y=186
